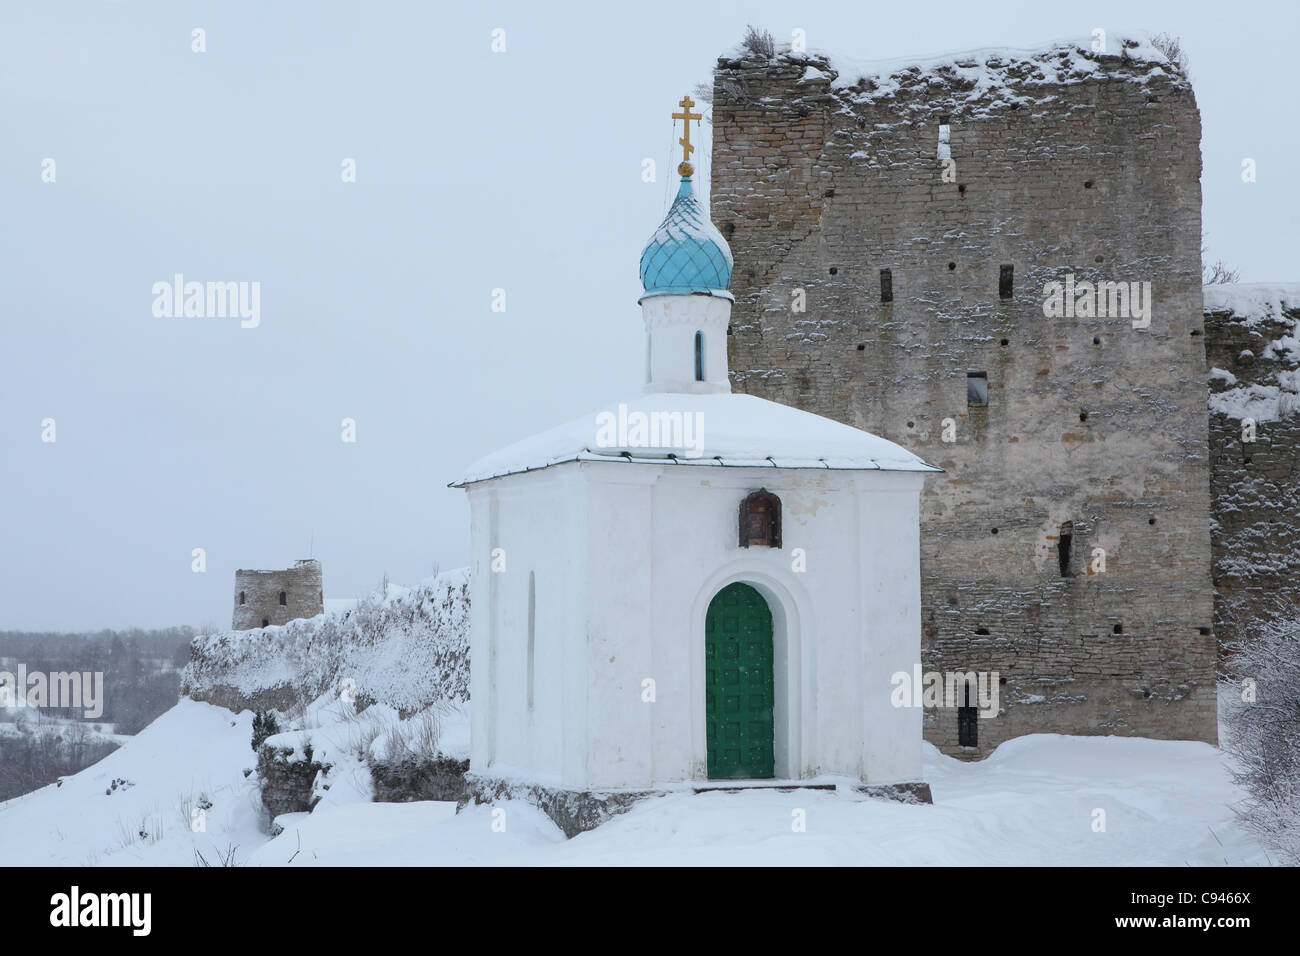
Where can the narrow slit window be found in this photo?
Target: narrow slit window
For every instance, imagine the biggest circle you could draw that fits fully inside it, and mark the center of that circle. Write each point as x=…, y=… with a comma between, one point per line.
x=1006, y=276
x=945, y=131
x=699, y=356
x=284, y=599
x=265, y=621
x=968, y=723
x=1063, y=544
x=977, y=389
x=242, y=598
x=886, y=286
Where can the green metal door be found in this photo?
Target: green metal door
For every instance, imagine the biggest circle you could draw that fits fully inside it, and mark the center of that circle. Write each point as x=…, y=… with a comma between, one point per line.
x=738, y=684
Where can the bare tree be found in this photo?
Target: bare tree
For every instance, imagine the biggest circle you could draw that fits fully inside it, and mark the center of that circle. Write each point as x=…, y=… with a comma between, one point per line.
x=1217, y=272
x=1262, y=717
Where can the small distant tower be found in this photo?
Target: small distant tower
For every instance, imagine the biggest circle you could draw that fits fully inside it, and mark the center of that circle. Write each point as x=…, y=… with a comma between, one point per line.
x=263, y=598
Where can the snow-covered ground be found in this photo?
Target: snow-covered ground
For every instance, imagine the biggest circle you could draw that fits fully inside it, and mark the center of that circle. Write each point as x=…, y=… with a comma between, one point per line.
x=1035, y=801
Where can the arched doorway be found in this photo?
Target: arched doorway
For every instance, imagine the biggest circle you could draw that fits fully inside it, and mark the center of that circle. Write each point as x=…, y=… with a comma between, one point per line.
x=738, y=684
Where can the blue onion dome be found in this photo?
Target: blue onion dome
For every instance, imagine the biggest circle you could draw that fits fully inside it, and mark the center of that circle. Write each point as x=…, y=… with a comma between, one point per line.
x=687, y=254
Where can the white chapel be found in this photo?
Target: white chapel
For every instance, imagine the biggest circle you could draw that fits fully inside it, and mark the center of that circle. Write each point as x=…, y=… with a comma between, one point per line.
x=693, y=586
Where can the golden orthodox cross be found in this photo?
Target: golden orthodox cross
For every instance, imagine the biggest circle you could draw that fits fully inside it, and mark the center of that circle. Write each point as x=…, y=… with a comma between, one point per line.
x=686, y=169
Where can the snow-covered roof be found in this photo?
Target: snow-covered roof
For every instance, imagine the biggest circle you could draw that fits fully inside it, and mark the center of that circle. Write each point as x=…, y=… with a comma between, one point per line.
x=717, y=430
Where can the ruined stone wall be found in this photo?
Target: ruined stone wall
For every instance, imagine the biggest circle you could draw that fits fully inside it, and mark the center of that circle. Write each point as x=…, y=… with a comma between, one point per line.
x=260, y=591
x=1253, y=353
x=1065, y=163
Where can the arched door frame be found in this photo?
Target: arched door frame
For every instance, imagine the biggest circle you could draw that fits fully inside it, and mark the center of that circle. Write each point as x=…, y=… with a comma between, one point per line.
x=793, y=708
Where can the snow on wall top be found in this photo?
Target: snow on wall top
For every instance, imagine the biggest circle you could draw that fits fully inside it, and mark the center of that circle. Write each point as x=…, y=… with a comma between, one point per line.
x=987, y=70
x=407, y=647
x=1270, y=309
x=1253, y=302
x=717, y=430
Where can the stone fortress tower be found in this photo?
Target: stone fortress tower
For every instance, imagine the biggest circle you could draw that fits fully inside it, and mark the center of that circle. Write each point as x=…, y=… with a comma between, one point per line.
x=263, y=598
x=894, y=237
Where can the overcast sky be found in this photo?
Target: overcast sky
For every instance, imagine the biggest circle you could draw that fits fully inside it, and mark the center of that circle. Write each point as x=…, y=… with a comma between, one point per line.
x=518, y=170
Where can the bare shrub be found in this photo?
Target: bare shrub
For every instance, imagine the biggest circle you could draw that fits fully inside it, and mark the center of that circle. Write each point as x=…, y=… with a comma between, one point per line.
x=220, y=858
x=1263, y=732
x=417, y=742
x=1218, y=273
x=1172, y=49
x=759, y=42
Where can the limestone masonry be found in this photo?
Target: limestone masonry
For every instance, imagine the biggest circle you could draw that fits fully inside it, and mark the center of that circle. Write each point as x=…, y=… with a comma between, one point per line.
x=1253, y=349
x=893, y=238
x=277, y=597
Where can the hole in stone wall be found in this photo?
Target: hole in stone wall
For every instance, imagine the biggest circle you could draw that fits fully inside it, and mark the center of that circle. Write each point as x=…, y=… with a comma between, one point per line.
x=731, y=229
x=1083, y=416
x=1196, y=331
x=911, y=424
x=1203, y=631
x=994, y=531
x=1005, y=276
x=833, y=270
x=1096, y=340
x=982, y=631
x=1119, y=628
x=1151, y=520
x=862, y=348
x=1063, y=544
x=828, y=193
x=962, y=189
x=886, y=286
x=1002, y=680
x=1005, y=342
x=951, y=266
x=1099, y=259
x=1087, y=184
x=265, y=621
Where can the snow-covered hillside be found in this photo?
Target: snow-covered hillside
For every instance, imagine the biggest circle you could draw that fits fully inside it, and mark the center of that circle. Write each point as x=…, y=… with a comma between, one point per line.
x=405, y=647
x=1034, y=801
